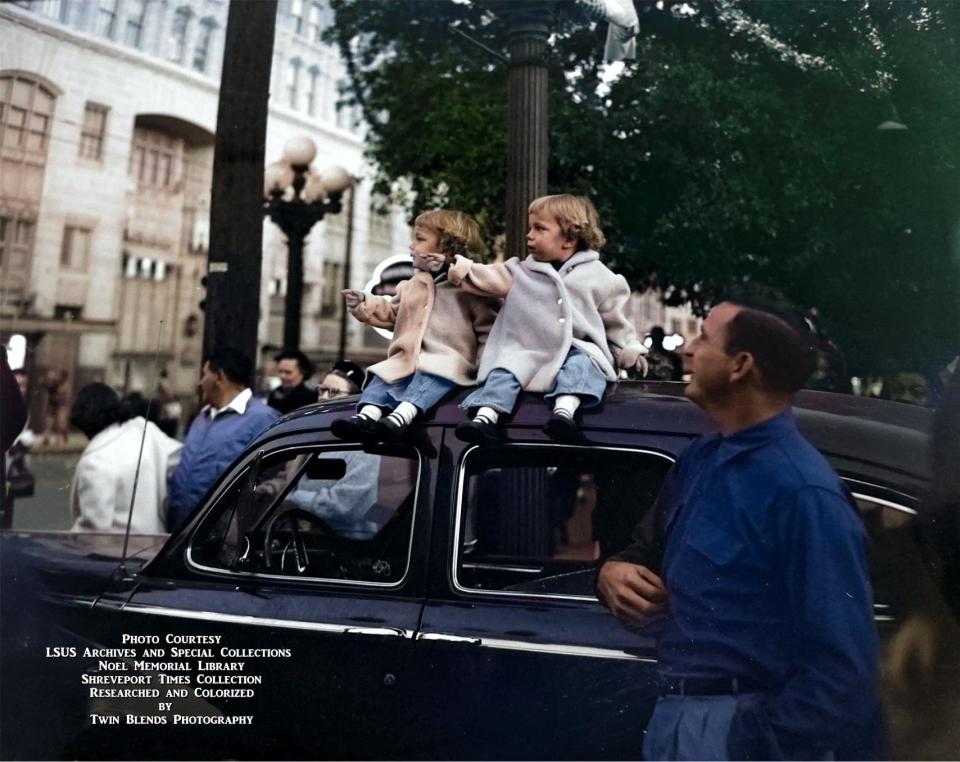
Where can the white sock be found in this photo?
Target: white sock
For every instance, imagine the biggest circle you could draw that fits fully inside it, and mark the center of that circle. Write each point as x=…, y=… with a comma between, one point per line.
x=404, y=413
x=566, y=405
x=372, y=412
x=486, y=415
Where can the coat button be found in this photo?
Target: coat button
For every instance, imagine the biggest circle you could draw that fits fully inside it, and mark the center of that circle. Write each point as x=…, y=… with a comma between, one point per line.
x=559, y=301
x=562, y=320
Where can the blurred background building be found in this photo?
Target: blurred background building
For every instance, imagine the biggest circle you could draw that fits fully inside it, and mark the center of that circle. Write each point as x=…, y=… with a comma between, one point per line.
x=107, y=117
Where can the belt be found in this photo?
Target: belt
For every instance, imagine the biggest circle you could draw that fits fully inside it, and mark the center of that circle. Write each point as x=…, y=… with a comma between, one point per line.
x=707, y=686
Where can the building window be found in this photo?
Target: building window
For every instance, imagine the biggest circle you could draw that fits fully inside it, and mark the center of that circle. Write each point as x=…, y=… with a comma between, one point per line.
x=313, y=94
x=16, y=242
x=293, y=82
x=178, y=34
x=106, y=18
x=75, y=251
x=55, y=9
x=314, y=23
x=201, y=53
x=330, y=298
x=93, y=130
x=26, y=112
x=136, y=10
x=296, y=11
x=155, y=159
x=145, y=268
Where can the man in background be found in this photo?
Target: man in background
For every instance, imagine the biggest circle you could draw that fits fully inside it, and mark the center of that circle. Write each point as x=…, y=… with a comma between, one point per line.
x=230, y=419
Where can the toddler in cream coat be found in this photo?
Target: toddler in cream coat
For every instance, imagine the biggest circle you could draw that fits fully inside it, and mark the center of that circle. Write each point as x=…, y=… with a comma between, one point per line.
x=562, y=330
x=438, y=331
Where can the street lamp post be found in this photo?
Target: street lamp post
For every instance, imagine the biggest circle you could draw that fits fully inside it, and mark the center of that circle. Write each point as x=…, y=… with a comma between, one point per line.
x=296, y=199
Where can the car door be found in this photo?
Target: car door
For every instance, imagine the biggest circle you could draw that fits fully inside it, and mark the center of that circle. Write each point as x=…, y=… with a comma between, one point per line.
x=293, y=599
x=518, y=659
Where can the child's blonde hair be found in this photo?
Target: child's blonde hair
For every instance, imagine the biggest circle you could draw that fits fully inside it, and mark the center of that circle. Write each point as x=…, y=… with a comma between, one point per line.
x=576, y=215
x=458, y=232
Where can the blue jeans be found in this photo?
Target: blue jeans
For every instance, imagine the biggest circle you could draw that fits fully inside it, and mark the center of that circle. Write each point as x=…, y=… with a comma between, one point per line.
x=578, y=375
x=717, y=728
x=421, y=389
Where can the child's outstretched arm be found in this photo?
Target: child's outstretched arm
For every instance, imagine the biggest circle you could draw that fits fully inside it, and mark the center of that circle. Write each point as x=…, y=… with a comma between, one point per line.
x=483, y=280
x=627, y=349
x=375, y=310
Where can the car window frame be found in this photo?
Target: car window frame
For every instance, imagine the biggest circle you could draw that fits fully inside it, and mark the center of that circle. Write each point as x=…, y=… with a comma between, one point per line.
x=195, y=566
x=458, y=508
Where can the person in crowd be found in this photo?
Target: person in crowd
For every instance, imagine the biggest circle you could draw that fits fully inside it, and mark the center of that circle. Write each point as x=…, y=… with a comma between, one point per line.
x=13, y=417
x=56, y=385
x=755, y=561
x=348, y=504
x=231, y=418
x=663, y=364
x=102, y=490
x=343, y=379
x=294, y=369
x=562, y=330
x=438, y=332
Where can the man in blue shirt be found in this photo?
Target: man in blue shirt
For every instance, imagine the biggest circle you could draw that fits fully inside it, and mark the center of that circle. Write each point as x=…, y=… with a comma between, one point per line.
x=755, y=562
x=230, y=419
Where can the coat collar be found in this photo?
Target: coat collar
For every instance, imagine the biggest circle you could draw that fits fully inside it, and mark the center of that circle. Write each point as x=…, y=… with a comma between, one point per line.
x=756, y=436
x=579, y=258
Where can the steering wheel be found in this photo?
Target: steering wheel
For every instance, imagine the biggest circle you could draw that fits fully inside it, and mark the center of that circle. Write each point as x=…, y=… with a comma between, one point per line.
x=294, y=550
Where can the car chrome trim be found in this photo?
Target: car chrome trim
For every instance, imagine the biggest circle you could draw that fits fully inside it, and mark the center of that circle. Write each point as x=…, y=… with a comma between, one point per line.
x=884, y=503
x=444, y=638
x=256, y=621
x=337, y=447
x=459, y=510
x=560, y=649
x=497, y=567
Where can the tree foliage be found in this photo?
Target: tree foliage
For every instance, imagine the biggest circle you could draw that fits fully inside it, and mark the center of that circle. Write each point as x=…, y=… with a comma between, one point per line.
x=741, y=146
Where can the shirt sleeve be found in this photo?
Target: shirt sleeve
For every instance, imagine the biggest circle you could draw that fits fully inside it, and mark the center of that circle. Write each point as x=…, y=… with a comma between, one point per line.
x=94, y=495
x=832, y=689
x=621, y=335
x=482, y=280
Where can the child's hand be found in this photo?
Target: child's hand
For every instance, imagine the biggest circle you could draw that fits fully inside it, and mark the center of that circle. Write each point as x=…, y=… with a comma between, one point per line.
x=352, y=297
x=641, y=366
x=431, y=262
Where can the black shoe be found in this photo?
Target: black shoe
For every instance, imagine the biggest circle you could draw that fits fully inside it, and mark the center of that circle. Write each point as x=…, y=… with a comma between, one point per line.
x=562, y=428
x=356, y=428
x=479, y=432
x=390, y=428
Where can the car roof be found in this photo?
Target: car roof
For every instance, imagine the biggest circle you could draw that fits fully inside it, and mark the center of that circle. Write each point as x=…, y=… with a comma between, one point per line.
x=887, y=434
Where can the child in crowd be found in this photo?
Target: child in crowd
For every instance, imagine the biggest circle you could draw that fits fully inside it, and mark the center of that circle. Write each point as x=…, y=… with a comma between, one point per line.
x=562, y=329
x=438, y=330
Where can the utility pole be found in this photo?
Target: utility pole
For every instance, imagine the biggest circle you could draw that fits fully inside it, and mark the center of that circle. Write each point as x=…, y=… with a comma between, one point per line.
x=527, y=120
x=236, y=216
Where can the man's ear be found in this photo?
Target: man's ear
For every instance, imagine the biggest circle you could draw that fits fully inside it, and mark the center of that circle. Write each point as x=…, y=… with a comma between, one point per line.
x=743, y=365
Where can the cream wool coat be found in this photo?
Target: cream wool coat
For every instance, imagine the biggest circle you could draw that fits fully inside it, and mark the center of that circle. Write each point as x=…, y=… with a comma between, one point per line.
x=548, y=312
x=437, y=328
x=103, y=480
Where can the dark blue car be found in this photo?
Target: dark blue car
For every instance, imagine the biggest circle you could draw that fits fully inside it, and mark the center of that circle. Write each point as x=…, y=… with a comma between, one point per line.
x=419, y=599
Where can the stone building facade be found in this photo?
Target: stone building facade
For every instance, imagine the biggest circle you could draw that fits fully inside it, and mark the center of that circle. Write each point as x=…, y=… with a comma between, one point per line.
x=107, y=118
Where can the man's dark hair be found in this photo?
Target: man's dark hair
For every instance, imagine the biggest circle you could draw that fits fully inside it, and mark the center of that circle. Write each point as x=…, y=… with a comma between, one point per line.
x=96, y=407
x=306, y=367
x=785, y=355
x=234, y=364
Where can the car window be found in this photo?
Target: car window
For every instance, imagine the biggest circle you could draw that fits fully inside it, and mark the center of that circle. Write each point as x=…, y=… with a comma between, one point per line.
x=537, y=519
x=333, y=514
x=895, y=562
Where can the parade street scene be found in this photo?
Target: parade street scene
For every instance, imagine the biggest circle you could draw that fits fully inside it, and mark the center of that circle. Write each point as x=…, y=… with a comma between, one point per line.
x=480, y=379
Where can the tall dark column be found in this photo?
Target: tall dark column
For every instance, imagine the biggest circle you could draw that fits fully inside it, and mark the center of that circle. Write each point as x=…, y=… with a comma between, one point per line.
x=293, y=304
x=236, y=209
x=527, y=142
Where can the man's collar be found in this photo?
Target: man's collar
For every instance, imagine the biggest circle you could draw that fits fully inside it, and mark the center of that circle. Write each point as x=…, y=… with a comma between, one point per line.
x=757, y=435
x=238, y=405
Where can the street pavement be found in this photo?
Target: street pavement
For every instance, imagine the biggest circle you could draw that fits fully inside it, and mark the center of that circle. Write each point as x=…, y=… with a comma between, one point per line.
x=49, y=508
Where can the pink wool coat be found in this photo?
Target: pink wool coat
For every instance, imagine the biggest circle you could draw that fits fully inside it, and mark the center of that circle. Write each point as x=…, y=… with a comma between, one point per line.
x=437, y=328
x=549, y=312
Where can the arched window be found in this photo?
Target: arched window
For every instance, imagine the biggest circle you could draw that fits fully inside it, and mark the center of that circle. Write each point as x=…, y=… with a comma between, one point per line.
x=293, y=82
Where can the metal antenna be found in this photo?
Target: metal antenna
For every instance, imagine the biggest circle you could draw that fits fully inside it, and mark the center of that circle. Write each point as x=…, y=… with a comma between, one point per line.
x=143, y=438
